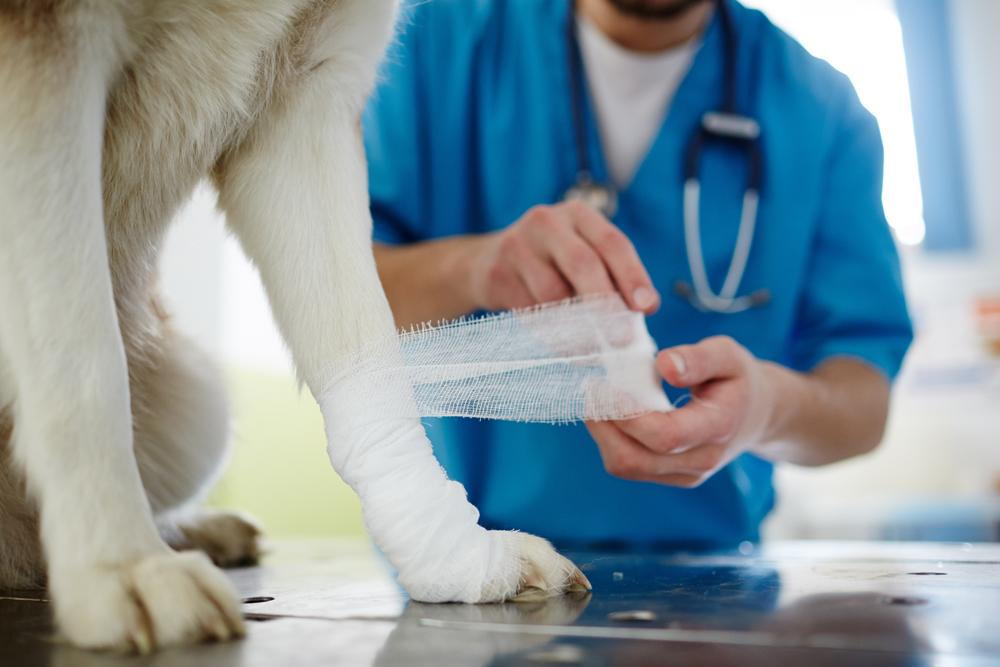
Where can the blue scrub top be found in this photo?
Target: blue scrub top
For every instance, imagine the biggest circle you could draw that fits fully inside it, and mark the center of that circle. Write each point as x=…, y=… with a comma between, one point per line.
x=472, y=126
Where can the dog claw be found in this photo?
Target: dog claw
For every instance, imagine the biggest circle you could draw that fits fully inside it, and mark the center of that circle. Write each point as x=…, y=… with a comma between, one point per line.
x=579, y=583
x=219, y=631
x=143, y=641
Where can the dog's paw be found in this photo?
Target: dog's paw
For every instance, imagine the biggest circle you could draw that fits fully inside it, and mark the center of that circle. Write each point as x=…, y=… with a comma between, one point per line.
x=230, y=539
x=161, y=600
x=535, y=570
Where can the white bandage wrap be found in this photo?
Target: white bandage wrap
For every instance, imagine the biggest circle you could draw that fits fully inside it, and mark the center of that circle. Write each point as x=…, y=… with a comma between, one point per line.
x=588, y=358
x=583, y=359
x=418, y=517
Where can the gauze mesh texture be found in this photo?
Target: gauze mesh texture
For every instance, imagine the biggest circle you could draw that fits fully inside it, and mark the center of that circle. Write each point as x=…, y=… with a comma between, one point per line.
x=588, y=358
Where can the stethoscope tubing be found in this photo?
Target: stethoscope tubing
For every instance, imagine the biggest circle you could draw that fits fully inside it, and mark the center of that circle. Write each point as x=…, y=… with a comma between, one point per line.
x=726, y=300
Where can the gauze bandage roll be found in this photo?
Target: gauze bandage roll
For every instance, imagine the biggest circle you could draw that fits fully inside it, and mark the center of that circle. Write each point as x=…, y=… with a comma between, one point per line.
x=587, y=358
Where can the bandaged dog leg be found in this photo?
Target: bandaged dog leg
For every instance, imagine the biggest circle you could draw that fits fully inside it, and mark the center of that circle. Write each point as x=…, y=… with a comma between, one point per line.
x=582, y=359
x=418, y=517
x=295, y=193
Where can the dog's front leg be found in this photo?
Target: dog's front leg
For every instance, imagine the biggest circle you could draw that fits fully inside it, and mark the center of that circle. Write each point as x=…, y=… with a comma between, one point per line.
x=296, y=195
x=113, y=582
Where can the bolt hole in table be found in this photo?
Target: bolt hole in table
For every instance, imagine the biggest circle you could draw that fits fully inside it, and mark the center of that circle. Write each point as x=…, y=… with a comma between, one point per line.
x=819, y=603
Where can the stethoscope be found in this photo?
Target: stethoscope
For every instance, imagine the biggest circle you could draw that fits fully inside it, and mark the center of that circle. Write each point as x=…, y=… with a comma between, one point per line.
x=724, y=125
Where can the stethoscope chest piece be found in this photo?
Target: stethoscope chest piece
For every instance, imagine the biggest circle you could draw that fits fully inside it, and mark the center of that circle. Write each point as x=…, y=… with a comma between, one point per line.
x=602, y=198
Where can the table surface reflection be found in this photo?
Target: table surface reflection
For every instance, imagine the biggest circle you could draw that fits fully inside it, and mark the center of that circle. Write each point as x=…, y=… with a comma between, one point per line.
x=331, y=602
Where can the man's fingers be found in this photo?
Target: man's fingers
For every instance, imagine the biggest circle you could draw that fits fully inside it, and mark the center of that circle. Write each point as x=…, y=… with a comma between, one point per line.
x=655, y=432
x=551, y=233
x=541, y=278
x=714, y=358
x=509, y=287
x=619, y=255
x=588, y=254
x=518, y=295
x=695, y=424
x=580, y=264
x=683, y=481
x=699, y=461
x=624, y=457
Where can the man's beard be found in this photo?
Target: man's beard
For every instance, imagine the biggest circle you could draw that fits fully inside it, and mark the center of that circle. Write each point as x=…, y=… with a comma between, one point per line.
x=651, y=9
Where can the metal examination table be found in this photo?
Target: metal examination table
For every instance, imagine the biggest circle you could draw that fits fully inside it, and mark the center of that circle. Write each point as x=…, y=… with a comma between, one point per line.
x=813, y=603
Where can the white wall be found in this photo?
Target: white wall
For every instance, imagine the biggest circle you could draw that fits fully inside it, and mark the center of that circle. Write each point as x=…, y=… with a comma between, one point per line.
x=191, y=271
x=215, y=294
x=863, y=39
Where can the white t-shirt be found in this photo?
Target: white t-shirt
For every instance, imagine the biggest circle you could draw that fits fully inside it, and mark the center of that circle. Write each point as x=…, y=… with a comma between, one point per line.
x=631, y=92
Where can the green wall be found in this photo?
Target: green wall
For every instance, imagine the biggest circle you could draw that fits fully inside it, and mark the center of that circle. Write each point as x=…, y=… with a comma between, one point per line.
x=279, y=471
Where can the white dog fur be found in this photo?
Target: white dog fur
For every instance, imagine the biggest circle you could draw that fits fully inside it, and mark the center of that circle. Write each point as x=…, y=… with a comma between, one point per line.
x=111, y=423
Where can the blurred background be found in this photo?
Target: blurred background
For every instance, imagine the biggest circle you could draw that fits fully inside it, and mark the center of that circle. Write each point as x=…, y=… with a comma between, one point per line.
x=925, y=69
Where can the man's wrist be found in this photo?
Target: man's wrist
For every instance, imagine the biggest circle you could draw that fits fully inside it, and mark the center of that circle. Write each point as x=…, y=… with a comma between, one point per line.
x=786, y=391
x=429, y=280
x=459, y=271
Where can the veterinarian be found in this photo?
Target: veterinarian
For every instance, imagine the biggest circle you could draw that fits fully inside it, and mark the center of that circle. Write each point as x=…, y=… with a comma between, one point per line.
x=525, y=151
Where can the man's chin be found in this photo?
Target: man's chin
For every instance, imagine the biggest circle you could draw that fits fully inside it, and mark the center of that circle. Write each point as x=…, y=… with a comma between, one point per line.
x=656, y=10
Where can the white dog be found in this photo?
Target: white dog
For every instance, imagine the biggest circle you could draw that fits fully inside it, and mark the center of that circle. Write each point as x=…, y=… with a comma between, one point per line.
x=110, y=112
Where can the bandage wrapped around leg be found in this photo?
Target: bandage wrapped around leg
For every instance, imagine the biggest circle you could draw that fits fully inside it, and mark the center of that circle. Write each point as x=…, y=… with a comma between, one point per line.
x=588, y=358
x=419, y=518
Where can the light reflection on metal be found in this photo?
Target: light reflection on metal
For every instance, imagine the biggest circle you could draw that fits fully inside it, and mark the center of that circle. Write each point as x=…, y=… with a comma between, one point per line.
x=729, y=637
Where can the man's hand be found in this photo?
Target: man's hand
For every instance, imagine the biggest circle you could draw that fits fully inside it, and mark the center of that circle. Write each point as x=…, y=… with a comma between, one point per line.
x=555, y=252
x=740, y=403
x=731, y=408
x=550, y=253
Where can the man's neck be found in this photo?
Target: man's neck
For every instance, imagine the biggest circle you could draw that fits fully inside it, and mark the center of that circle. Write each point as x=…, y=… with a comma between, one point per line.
x=645, y=34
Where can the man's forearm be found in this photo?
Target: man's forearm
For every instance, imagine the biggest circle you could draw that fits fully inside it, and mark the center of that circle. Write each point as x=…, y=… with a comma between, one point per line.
x=427, y=281
x=832, y=413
